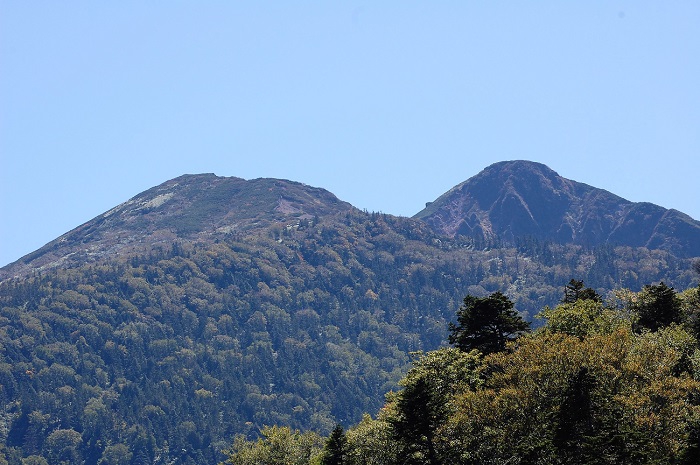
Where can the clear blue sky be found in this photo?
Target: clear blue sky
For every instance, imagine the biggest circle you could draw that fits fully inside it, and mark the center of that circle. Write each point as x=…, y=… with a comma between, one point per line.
x=385, y=104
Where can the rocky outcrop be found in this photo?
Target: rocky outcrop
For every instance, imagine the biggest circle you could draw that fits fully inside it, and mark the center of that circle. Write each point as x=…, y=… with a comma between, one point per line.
x=525, y=199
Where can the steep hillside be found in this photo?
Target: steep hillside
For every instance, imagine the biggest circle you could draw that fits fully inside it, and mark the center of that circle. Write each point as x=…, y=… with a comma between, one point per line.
x=191, y=207
x=520, y=198
x=207, y=307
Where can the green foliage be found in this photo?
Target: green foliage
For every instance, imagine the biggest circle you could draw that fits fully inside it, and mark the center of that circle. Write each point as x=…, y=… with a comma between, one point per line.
x=63, y=446
x=335, y=449
x=117, y=454
x=276, y=446
x=33, y=460
x=574, y=422
x=583, y=389
x=486, y=324
x=575, y=291
x=690, y=304
x=447, y=370
x=658, y=306
x=419, y=416
x=425, y=403
x=170, y=352
x=610, y=398
x=372, y=441
x=583, y=318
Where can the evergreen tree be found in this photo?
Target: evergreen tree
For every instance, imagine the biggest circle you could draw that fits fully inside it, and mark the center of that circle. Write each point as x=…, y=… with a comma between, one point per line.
x=574, y=422
x=575, y=291
x=691, y=455
x=486, y=324
x=658, y=307
x=416, y=422
x=335, y=448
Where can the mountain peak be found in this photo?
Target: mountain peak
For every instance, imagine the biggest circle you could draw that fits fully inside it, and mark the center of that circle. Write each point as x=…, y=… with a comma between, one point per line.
x=521, y=198
x=196, y=207
x=506, y=200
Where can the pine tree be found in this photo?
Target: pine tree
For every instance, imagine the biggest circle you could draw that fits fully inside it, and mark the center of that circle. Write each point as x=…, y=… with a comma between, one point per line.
x=416, y=423
x=659, y=306
x=486, y=324
x=575, y=291
x=334, y=450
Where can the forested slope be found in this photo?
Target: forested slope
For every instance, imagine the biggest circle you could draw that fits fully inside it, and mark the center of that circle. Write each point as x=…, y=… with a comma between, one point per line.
x=173, y=353
x=602, y=382
x=209, y=307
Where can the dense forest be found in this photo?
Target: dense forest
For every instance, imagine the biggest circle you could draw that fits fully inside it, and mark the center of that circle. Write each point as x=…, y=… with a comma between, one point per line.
x=601, y=382
x=165, y=356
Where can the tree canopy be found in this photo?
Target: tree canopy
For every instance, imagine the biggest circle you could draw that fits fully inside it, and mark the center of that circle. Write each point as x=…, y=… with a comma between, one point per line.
x=172, y=351
x=575, y=290
x=585, y=388
x=486, y=324
x=658, y=306
x=335, y=449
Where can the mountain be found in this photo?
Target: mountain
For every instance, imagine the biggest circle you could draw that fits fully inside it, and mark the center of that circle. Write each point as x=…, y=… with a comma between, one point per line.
x=191, y=207
x=208, y=307
x=514, y=199
x=505, y=201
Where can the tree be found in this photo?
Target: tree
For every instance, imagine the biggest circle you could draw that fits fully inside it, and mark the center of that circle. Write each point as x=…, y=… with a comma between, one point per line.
x=334, y=450
x=116, y=454
x=574, y=420
x=690, y=299
x=583, y=318
x=607, y=398
x=658, y=306
x=425, y=404
x=575, y=291
x=31, y=460
x=486, y=324
x=63, y=446
x=278, y=445
x=416, y=423
x=372, y=442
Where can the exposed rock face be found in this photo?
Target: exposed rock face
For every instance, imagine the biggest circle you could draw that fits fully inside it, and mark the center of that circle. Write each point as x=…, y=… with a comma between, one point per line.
x=521, y=198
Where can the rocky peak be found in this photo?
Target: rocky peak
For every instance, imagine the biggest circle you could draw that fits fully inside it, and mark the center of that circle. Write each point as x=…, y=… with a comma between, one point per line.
x=521, y=198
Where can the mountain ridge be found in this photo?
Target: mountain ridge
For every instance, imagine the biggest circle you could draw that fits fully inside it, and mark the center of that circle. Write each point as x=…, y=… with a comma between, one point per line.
x=191, y=207
x=208, y=307
x=505, y=201
x=519, y=198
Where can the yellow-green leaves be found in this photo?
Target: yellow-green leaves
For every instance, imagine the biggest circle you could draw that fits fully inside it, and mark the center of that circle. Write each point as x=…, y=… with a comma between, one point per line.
x=276, y=446
x=636, y=399
x=582, y=318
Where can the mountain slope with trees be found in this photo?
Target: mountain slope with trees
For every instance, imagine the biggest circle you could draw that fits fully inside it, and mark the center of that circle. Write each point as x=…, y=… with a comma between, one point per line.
x=209, y=307
x=591, y=386
x=200, y=208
